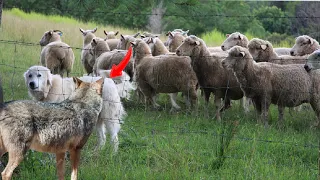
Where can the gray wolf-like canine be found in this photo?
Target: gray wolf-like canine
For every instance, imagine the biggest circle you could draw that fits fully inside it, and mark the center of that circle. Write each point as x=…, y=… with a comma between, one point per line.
x=54, y=128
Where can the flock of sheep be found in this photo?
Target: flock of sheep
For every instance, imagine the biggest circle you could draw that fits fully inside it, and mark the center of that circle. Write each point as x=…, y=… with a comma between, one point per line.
x=237, y=70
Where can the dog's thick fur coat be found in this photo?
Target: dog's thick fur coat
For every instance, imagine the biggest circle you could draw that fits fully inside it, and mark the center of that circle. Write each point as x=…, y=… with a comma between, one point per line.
x=54, y=128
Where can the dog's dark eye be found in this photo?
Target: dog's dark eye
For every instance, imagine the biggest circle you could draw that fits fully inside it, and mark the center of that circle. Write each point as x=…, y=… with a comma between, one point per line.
x=39, y=75
x=30, y=75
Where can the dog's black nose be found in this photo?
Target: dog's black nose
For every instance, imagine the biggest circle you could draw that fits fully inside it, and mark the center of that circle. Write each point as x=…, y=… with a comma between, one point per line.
x=32, y=85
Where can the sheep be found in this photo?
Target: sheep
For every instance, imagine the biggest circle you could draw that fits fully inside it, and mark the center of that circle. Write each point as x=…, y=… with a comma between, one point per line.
x=98, y=47
x=156, y=45
x=174, y=41
x=147, y=34
x=304, y=45
x=234, y=39
x=45, y=87
x=86, y=56
x=313, y=61
x=56, y=55
x=282, y=51
x=262, y=51
x=266, y=83
x=111, y=34
x=163, y=74
x=125, y=40
x=212, y=77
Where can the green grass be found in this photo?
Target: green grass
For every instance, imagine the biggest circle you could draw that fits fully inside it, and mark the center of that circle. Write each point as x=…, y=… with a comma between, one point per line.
x=159, y=144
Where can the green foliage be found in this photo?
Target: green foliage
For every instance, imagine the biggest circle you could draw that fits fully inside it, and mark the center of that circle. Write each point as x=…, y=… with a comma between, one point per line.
x=257, y=29
x=272, y=18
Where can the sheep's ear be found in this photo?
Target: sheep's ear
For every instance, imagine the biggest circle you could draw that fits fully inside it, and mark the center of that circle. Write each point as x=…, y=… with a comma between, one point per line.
x=185, y=32
x=122, y=37
x=242, y=54
x=150, y=40
x=94, y=30
x=94, y=41
x=310, y=41
x=105, y=32
x=136, y=35
x=170, y=35
x=133, y=44
x=227, y=35
x=142, y=36
x=81, y=30
x=264, y=46
x=240, y=37
x=50, y=33
x=167, y=34
x=77, y=81
x=115, y=34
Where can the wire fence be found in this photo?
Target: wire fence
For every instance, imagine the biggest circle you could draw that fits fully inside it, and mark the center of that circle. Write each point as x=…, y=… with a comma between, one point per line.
x=12, y=73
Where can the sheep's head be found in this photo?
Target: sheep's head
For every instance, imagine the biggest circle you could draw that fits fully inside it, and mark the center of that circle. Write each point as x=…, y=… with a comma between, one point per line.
x=86, y=32
x=111, y=34
x=234, y=39
x=304, y=45
x=151, y=42
x=50, y=36
x=260, y=50
x=237, y=58
x=99, y=46
x=147, y=34
x=125, y=40
x=188, y=46
x=140, y=49
x=313, y=61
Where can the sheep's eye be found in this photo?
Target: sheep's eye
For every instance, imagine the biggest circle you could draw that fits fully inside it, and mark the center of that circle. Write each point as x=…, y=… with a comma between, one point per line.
x=30, y=75
x=39, y=75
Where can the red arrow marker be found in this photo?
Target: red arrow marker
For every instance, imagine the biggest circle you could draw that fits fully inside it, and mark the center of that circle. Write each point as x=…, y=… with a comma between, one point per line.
x=116, y=70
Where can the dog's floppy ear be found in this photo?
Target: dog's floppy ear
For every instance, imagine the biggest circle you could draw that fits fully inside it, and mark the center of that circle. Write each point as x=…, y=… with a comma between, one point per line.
x=77, y=81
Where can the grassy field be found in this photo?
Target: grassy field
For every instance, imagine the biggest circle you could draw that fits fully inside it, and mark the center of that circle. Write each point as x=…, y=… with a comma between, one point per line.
x=159, y=144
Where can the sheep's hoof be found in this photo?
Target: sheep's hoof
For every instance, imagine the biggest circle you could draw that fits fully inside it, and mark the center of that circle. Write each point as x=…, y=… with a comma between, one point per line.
x=174, y=110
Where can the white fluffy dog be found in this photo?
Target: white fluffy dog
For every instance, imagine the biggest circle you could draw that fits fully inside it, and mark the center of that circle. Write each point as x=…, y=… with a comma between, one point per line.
x=43, y=86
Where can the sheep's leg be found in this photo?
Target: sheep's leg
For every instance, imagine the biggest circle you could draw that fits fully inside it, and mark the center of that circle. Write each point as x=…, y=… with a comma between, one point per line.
x=154, y=101
x=316, y=108
x=173, y=99
x=245, y=104
x=206, y=99
x=113, y=127
x=101, y=133
x=265, y=112
x=14, y=160
x=227, y=105
x=280, y=119
x=60, y=162
x=75, y=160
x=257, y=105
x=217, y=103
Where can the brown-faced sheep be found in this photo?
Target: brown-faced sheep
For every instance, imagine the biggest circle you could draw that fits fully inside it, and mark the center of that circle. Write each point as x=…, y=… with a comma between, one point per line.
x=262, y=51
x=105, y=58
x=163, y=74
x=111, y=34
x=266, y=83
x=304, y=45
x=112, y=43
x=175, y=39
x=156, y=45
x=56, y=55
x=86, y=56
x=212, y=77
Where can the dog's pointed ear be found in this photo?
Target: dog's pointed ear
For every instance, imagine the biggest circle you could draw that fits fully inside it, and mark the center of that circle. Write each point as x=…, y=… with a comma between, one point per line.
x=100, y=82
x=77, y=81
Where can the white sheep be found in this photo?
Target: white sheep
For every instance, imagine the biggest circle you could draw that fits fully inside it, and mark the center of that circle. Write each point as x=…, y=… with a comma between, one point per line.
x=125, y=40
x=266, y=83
x=163, y=74
x=43, y=86
x=86, y=56
x=156, y=45
x=110, y=34
x=262, y=51
x=213, y=78
x=56, y=55
x=304, y=45
x=313, y=61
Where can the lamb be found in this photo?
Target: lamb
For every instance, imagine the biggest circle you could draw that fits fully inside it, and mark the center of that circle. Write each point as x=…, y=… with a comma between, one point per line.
x=212, y=77
x=86, y=56
x=262, y=51
x=45, y=87
x=56, y=55
x=163, y=74
x=105, y=59
x=266, y=83
x=304, y=45
x=111, y=34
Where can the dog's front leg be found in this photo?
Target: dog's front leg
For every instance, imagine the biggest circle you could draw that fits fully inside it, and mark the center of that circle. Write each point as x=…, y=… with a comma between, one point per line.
x=75, y=159
x=60, y=165
x=14, y=160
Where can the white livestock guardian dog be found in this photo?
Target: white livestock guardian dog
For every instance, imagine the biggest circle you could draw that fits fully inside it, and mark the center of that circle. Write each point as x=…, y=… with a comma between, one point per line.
x=43, y=86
